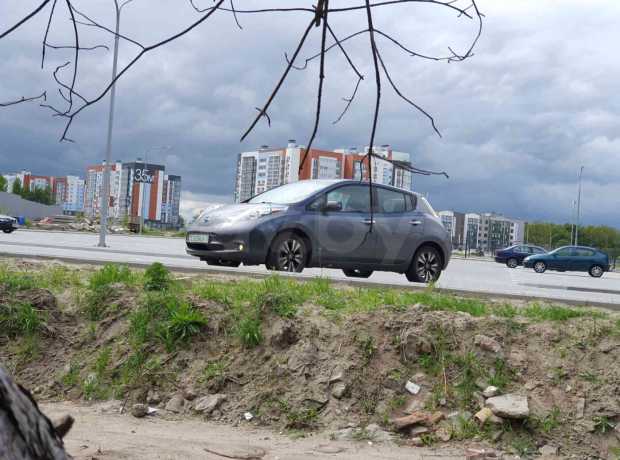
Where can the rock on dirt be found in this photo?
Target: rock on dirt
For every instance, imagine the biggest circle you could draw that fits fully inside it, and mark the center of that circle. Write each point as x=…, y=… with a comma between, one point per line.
x=509, y=406
x=487, y=343
x=339, y=390
x=548, y=450
x=418, y=418
x=139, y=410
x=483, y=415
x=490, y=391
x=412, y=388
x=208, y=404
x=176, y=404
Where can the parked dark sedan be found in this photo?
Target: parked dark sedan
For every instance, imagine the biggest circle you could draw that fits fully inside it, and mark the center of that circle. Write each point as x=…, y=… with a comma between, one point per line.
x=570, y=258
x=8, y=224
x=513, y=256
x=329, y=224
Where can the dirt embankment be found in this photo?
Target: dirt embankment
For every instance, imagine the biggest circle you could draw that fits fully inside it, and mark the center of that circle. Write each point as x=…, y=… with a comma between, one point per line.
x=524, y=382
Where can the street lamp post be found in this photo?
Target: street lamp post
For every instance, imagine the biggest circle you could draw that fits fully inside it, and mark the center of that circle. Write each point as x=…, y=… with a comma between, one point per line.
x=105, y=199
x=578, y=209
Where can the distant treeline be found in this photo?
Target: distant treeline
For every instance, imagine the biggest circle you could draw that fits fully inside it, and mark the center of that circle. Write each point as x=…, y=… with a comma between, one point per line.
x=554, y=235
x=40, y=195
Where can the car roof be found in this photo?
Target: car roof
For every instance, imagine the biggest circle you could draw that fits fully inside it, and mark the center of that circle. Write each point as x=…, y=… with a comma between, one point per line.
x=356, y=181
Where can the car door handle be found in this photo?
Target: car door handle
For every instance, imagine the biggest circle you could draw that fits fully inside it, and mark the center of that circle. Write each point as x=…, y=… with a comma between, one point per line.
x=416, y=222
x=368, y=221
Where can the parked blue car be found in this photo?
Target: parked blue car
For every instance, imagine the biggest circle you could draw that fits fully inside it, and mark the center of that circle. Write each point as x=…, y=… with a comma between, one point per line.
x=513, y=256
x=570, y=258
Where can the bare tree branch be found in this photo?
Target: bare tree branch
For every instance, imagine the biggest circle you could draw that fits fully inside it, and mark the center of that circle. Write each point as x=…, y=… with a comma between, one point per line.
x=43, y=96
x=24, y=20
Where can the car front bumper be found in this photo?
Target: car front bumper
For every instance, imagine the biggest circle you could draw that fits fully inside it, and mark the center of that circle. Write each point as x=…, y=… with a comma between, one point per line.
x=235, y=246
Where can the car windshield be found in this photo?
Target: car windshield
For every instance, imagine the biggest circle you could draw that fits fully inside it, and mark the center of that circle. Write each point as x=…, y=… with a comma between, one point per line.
x=290, y=193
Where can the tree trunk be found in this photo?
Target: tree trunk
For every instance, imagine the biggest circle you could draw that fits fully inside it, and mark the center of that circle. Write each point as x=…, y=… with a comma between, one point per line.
x=25, y=432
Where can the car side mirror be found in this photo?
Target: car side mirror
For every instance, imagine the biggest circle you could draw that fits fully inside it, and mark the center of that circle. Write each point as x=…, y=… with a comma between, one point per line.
x=332, y=206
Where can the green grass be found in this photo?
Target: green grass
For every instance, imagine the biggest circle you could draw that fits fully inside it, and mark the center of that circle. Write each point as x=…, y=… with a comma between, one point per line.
x=111, y=274
x=14, y=280
x=212, y=371
x=165, y=318
x=557, y=313
x=157, y=277
x=20, y=320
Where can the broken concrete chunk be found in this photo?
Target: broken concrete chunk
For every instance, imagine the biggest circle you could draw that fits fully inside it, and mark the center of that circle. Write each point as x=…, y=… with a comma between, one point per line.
x=412, y=388
x=487, y=343
x=208, y=404
x=509, y=406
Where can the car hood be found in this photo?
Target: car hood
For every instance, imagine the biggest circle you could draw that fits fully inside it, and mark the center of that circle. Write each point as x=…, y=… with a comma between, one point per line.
x=3, y=217
x=235, y=213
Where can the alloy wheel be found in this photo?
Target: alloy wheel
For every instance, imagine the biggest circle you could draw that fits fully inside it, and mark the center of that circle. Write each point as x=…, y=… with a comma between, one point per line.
x=427, y=266
x=596, y=271
x=540, y=267
x=291, y=255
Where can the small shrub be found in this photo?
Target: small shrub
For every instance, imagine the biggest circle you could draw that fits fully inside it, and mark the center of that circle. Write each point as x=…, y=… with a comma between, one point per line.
x=212, y=371
x=249, y=331
x=603, y=424
x=110, y=274
x=157, y=277
x=20, y=320
x=183, y=323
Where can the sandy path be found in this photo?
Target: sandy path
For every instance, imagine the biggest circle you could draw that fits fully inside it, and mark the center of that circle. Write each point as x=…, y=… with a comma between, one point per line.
x=103, y=434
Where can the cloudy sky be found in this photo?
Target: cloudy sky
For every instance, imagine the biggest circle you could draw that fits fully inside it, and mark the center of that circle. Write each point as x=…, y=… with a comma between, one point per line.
x=538, y=100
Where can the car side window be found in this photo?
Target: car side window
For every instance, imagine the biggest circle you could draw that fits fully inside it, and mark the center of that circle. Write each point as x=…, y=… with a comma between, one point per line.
x=538, y=251
x=565, y=252
x=390, y=201
x=353, y=198
x=584, y=253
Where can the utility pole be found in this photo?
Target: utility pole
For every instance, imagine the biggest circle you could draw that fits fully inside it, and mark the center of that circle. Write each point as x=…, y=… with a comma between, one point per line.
x=578, y=209
x=105, y=198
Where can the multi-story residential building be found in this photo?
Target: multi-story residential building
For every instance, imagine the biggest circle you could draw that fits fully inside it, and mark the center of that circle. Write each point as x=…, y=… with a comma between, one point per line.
x=94, y=190
x=496, y=231
x=265, y=168
x=171, y=201
x=454, y=222
x=471, y=228
x=141, y=191
x=73, y=201
x=59, y=190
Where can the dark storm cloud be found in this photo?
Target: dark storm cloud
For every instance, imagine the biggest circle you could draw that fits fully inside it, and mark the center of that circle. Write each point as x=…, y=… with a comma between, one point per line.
x=537, y=101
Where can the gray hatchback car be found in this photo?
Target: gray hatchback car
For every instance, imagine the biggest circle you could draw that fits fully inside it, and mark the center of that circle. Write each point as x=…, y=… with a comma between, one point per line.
x=326, y=223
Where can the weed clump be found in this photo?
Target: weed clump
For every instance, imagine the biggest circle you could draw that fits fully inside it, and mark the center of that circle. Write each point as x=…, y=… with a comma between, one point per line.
x=157, y=277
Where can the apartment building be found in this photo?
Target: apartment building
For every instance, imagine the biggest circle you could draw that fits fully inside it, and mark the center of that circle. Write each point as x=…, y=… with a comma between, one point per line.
x=497, y=231
x=454, y=222
x=73, y=200
x=171, y=201
x=266, y=168
x=94, y=190
x=471, y=226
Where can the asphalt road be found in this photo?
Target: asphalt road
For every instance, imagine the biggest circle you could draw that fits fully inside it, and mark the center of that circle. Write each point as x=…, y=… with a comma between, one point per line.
x=473, y=276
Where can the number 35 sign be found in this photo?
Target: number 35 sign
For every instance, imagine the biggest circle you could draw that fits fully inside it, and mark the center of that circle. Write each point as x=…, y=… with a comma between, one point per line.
x=143, y=175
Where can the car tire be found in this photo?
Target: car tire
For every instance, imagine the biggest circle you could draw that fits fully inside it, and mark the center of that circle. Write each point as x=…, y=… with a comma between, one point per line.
x=426, y=265
x=223, y=263
x=288, y=253
x=596, y=271
x=356, y=273
x=8, y=230
x=512, y=263
x=540, y=267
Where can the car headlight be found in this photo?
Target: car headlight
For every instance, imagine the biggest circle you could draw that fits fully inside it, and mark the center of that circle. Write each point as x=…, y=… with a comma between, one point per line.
x=266, y=211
